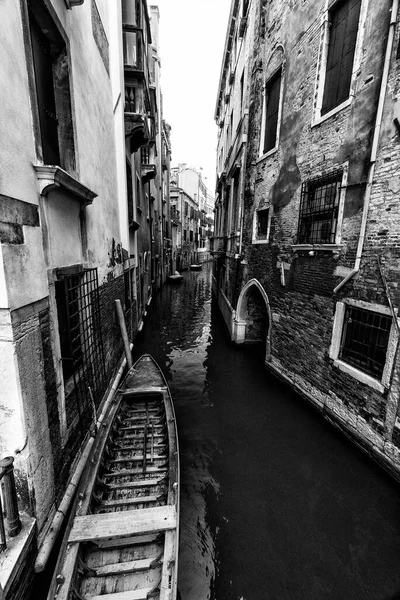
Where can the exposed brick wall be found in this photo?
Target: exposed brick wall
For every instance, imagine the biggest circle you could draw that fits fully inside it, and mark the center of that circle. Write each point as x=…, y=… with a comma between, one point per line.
x=303, y=309
x=51, y=394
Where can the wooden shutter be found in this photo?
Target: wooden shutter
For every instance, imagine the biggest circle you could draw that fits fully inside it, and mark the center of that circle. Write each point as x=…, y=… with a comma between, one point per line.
x=342, y=44
x=43, y=65
x=273, y=89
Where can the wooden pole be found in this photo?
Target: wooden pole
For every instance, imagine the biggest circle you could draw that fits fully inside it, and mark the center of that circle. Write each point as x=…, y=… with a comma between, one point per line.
x=124, y=333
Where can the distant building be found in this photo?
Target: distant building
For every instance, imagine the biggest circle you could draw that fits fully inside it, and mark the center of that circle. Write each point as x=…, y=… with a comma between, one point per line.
x=306, y=244
x=187, y=185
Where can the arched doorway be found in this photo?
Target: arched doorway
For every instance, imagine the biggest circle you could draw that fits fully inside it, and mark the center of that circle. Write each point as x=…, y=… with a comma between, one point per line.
x=252, y=322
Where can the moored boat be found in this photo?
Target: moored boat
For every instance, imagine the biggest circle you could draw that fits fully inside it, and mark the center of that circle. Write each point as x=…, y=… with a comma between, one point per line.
x=175, y=278
x=121, y=542
x=195, y=267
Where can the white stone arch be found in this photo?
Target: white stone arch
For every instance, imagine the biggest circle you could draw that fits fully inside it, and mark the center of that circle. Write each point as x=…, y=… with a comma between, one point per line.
x=240, y=323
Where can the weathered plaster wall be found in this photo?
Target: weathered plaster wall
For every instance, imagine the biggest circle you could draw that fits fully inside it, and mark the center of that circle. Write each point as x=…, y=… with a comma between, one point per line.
x=61, y=226
x=31, y=394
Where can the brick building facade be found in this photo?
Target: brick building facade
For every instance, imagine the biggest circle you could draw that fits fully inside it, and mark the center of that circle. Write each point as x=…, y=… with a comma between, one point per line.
x=315, y=278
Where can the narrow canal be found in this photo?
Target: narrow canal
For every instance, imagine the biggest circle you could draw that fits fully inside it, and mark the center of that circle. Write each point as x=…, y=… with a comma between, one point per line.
x=275, y=504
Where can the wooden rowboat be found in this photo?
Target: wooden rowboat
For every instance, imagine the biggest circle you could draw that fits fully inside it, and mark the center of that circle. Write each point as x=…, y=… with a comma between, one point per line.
x=122, y=541
x=175, y=278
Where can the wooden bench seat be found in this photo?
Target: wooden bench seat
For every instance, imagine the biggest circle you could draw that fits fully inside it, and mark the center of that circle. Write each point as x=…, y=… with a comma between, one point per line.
x=141, y=594
x=109, y=526
x=131, y=566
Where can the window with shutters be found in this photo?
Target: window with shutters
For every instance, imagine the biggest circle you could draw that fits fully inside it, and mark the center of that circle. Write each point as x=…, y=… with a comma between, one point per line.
x=340, y=54
x=319, y=209
x=52, y=89
x=272, y=102
x=343, y=28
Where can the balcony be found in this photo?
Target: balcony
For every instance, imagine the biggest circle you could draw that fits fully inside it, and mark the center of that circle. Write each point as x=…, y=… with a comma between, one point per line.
x=137, y=108
x=148, y=172
x=137, y=122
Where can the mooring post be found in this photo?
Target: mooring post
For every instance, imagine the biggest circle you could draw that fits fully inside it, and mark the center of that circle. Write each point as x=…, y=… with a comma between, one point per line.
x=124, y=332
x=10, y=496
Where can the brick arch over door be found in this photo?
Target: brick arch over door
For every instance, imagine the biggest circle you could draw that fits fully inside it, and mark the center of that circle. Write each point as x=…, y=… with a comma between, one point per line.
x=253, y=316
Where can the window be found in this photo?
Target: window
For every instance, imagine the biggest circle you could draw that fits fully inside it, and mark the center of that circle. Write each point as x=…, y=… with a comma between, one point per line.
x=129, y=191
x=241, y=90
x=262, y=225
x=272, y=102
x=365, y=339
x=319, y=207
x=51, y=84
x=343, y=28
x=79, y=326
x=262, y=222
x=130, y=46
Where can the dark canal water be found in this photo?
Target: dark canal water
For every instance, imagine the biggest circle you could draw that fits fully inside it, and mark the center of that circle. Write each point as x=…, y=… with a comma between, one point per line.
x=275, y=504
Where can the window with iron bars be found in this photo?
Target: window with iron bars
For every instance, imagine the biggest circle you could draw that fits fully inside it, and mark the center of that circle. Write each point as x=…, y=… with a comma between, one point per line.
x=319, y=207
x=365, y=339
x=82, y=355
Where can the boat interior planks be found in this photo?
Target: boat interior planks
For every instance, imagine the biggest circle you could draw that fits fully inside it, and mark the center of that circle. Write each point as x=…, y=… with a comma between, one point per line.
x=122, y=541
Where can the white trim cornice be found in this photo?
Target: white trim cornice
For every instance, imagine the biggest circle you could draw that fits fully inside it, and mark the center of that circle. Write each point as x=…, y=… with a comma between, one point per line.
x=52, y=177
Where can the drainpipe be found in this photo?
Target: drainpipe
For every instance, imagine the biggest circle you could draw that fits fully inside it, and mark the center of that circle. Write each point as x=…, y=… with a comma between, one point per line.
x=50, y=539
x=375, y=141
x=241, y=220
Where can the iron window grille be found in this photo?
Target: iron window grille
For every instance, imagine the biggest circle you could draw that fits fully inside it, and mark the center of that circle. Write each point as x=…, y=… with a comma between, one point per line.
x=365, y=339
x=319, y=207
x=83, y=364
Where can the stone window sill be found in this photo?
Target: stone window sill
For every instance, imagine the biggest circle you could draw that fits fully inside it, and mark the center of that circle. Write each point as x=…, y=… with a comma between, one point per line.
x=316, y=247
x=359, y=375
x=320, y=119
x=53, y=177
x=267, y=154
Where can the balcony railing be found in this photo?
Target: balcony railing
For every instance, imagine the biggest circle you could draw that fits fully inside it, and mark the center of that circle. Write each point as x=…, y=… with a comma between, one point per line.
x=9, y=497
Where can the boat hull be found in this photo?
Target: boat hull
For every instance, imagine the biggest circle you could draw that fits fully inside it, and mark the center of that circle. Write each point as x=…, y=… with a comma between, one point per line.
x=122, y=541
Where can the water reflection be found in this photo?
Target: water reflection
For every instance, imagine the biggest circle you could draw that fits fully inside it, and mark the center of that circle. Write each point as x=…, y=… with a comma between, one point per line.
x=275, y=504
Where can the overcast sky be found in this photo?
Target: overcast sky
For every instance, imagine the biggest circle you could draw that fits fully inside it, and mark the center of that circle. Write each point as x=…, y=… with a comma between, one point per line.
x=192, y=38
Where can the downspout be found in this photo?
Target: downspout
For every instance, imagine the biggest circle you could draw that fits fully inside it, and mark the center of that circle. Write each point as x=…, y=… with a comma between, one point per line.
x=374, y=150
x=241, y=219
x=58, y=519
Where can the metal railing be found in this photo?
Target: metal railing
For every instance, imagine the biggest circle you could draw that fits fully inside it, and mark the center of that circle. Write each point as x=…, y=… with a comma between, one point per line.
x=10, y=510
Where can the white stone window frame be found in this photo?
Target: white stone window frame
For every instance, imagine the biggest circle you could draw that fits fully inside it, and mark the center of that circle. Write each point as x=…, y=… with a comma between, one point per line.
x=344, y=167
x=377, y=384
x=262, y=155
x=265, y=239
x=323, y=57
